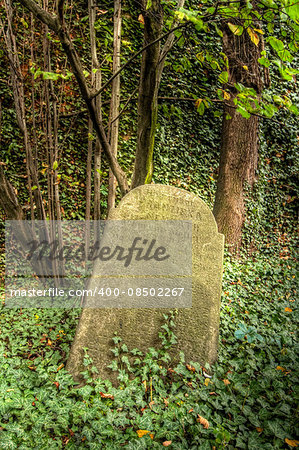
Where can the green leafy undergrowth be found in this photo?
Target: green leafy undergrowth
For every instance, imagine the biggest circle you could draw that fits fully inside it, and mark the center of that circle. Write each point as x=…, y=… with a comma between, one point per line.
x=248, y=402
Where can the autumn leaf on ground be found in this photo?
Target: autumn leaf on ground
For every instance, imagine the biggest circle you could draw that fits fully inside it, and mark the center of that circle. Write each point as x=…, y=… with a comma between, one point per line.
x=142, y=433
x=284, y=371
x=106, y=395
x=291, y=442
x=192, y=369
x=203, y=421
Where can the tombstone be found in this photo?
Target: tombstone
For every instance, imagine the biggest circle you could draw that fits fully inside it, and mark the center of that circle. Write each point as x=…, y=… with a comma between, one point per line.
x=197, y=327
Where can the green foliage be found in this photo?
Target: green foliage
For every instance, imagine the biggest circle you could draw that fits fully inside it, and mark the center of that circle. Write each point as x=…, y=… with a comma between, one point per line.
x=282, y=43
x=249, y=401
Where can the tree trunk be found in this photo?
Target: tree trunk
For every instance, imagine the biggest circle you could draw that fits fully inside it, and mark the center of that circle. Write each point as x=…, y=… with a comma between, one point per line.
x=148, y=95
x=153, y=61
x=115, y=99
x=238, y=162
x=239, y=144
x=19, y=100
x=8, y=199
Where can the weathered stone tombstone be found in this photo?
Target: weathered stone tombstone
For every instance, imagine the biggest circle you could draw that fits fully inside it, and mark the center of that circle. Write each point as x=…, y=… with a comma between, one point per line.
x=196, y=327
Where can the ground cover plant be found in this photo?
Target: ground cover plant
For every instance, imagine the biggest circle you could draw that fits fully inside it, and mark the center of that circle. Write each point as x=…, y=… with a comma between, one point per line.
x=250, y=401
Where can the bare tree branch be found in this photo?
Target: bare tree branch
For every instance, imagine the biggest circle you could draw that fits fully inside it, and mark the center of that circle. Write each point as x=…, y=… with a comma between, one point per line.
x=77, y=69
x=184, y=25
x=41, y=14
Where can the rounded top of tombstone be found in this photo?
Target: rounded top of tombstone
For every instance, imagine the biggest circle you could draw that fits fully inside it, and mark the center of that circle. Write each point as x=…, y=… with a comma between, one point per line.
x=162, y=202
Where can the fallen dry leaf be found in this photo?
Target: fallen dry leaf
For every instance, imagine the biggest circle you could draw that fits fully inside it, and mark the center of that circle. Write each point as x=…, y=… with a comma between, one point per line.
x=106, y=395
x=226, y=382
x=167, y=443
x=291, y=442
x=203, y=421
x=259, y=429
x=142, y=433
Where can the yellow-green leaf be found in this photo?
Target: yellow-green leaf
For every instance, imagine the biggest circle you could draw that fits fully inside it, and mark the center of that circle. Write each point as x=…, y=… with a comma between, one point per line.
x=253, y=36
x=236, y=29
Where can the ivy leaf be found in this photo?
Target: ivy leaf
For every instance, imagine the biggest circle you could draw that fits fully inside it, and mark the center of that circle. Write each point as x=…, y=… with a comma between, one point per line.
x=276, y=429
x=236, y=29
x=243, y=112
x=264, y=61
x=276, y=44
x=223, y=77
x=285, y=55
x=200, y=106
x=292, y=10
x=239, y=334
x=50, y=76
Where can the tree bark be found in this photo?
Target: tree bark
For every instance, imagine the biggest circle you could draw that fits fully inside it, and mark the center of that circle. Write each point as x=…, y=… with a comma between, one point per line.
x=148, y=92
x=19, y=100
x=115, y=99
x=153, y=61
x=239, y=143
x=94, y=148
x=8, y=199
